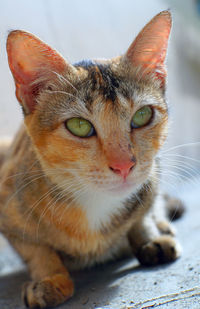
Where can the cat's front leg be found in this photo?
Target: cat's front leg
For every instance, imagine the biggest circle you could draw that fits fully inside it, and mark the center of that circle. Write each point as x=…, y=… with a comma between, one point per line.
x=51, y=283
x=152, y=237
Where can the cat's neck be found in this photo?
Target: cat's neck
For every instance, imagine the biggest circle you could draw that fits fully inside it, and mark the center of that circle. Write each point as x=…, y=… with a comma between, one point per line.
x=101, y=208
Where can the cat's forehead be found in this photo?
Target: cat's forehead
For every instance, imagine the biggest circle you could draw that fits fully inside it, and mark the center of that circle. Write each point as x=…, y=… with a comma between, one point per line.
x=107, y=81
x=100, y=79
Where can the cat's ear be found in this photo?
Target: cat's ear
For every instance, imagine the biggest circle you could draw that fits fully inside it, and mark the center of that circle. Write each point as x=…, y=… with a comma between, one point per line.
x=148, y=50
x=33, y=64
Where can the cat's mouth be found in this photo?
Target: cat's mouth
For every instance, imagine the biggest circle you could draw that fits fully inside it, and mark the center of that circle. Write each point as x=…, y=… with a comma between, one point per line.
x=128, y=186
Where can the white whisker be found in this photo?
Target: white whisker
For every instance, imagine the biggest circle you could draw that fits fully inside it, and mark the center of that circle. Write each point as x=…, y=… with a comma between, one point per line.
x=180, y=146
x=64, y=79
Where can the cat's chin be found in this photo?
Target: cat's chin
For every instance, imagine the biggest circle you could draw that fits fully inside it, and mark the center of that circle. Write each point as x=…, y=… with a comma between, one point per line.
x=124, y=189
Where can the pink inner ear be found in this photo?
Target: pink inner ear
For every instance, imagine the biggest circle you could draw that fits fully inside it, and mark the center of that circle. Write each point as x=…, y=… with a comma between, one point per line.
x=149, y=49
x=31, y=59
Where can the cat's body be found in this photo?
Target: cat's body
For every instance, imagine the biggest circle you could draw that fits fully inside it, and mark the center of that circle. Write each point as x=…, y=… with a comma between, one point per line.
x=89, y=197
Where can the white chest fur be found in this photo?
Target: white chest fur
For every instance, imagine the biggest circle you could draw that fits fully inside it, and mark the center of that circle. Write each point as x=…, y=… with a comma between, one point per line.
x=100, y=208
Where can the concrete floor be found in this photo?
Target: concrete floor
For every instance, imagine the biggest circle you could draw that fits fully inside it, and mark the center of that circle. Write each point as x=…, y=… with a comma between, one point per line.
x=125, y=284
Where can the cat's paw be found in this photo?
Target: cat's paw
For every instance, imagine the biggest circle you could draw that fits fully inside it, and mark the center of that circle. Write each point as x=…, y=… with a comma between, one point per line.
x=50, y=291
x=163, y=249
x=166, y=228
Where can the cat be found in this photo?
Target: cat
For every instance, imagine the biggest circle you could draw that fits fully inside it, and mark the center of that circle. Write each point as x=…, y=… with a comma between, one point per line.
x=80, y=179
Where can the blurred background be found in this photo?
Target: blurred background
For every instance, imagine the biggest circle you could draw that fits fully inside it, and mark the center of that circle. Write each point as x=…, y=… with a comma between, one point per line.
x=88, y=29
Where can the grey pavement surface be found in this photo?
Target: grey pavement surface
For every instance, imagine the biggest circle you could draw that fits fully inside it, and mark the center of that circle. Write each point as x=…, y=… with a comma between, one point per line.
x=125, y=284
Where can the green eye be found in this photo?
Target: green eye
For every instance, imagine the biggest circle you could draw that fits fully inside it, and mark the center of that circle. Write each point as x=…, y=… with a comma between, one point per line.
x=80, y=127
x=142, y=117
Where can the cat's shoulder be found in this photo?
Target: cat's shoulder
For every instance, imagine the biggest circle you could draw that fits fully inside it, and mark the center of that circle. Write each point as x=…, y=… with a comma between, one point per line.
x=13, y=147
x=4, y=146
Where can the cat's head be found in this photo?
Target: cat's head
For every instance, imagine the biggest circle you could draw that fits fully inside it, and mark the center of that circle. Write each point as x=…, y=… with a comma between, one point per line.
x=95, y=125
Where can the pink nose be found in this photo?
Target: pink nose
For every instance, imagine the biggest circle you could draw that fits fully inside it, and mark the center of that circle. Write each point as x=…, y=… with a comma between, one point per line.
x=122, y=168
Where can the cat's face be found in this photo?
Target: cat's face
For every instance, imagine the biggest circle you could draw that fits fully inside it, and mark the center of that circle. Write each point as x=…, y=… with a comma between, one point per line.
x=113, y=141
x=98, y=125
